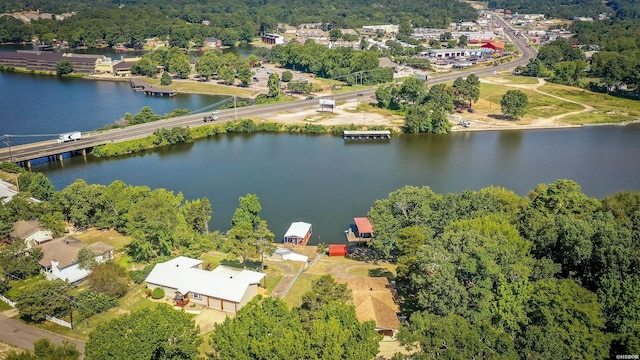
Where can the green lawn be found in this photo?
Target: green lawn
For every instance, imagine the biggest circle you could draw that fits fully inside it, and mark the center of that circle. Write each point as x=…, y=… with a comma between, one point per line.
x=210, y=87
x=301, y=286
x=109, y=237
x=608, y=109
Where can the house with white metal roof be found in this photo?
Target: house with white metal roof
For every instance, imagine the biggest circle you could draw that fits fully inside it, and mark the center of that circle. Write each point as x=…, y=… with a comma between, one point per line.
x=224, y=288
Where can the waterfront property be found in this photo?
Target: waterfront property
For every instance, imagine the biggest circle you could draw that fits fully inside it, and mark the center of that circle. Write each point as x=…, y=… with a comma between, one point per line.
x=223, y=288
x=298, y=233
x=47, y=61
x=360, y=231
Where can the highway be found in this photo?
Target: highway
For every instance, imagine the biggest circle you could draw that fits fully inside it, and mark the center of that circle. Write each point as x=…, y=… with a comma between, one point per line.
x=51, y=147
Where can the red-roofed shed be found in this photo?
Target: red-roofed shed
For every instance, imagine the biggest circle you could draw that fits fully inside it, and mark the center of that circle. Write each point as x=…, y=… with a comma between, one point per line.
x=338, y=250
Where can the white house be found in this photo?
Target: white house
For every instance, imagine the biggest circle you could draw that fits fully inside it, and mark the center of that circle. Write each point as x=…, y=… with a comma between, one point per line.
x=59, y=258
x=223, y=288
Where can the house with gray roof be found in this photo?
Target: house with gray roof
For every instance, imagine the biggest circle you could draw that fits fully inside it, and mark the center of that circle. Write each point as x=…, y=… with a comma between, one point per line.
x=60, y=258
x=224, y=288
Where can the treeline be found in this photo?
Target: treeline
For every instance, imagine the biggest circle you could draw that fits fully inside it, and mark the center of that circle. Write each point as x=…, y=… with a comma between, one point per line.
x=340, y=63
x=563, y=63
x=177, y=135
x=485, y=274
x=130, y=22
x=426, y=109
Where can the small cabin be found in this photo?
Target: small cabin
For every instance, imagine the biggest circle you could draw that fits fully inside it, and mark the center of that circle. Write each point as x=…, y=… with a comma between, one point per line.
x=299, y=233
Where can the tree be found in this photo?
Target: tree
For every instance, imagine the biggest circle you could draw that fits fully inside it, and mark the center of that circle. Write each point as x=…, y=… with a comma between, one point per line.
x=42, y=298
x=18, y=262
x=324, y=290
x=261, y=330
x=179, y=64
x=564, y=322
x=243, y=70
x=64, y=67
x=264, y=241
x=463, y=41
x=334, y=35
x=248, y=211
x=273, y=84
x=514, y=103
x=144, y=66
x=37, y=184
x=242, y=242
x=90, y=303
x=86, y=258
x=151, y=333
x=207, y=64
x=227, y=74
x=166, y=79
x=412, y=90
x=197, y=213
x=472, y=89
x=45, y=350
x=287, y=76
x=454, y=337
x=109, y=278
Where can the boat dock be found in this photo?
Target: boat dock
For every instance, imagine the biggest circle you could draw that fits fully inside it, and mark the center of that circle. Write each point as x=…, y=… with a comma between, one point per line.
x=367, y=135
x=361, y=231
x=147, y=89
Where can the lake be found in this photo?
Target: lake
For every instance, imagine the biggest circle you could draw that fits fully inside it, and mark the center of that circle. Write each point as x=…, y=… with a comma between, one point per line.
x=318, y=179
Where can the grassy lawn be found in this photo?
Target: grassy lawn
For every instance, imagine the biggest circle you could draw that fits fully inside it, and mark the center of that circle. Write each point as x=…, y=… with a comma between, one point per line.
x=608, y=109
x=512, y=79
x=301, y=286
x=4, y=306
x=210, y=87
x=369, y=270
x=214, y=258
x=109, y=237
x=540, y=105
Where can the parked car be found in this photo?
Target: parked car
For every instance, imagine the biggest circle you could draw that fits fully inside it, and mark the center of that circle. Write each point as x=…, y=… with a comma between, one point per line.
x=471, y=110
x=309, y=97
x=359, y=94
x=459, y=111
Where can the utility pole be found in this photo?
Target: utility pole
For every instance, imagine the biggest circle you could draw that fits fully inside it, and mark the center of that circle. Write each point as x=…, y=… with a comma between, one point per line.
x=70, y=299
x=235, y=109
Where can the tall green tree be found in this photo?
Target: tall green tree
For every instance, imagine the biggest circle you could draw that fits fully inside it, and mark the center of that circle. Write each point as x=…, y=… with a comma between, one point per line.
x=273, y=84
x=42, y=298
x=64, y=67
x=159, y=332
x=17, y=262
x=514, y=103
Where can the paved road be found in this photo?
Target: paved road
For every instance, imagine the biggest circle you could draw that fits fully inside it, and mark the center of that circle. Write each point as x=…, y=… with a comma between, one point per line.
x=23, y=336
x=45, y=148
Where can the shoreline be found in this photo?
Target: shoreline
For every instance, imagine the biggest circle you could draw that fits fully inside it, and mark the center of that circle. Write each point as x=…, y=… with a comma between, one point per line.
x=347, y=114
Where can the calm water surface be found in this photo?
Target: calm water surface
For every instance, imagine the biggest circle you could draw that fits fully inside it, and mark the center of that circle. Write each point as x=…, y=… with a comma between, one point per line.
x=319, y=179
x=327, y=181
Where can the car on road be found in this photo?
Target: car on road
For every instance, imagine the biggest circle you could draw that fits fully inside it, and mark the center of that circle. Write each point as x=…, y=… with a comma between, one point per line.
x=309, y=97
x=359, y=94
x=471, y=110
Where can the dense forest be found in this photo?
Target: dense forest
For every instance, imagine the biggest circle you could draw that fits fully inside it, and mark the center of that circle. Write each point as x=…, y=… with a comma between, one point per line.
x=490, y=274
x=132, y=21
x=480, y=274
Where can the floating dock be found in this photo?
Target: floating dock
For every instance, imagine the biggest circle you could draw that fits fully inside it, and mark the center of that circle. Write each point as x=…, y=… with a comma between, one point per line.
x=367, y=135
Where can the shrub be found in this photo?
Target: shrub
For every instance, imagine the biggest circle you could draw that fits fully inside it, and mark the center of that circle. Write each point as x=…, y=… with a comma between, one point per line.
x=157, y=293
